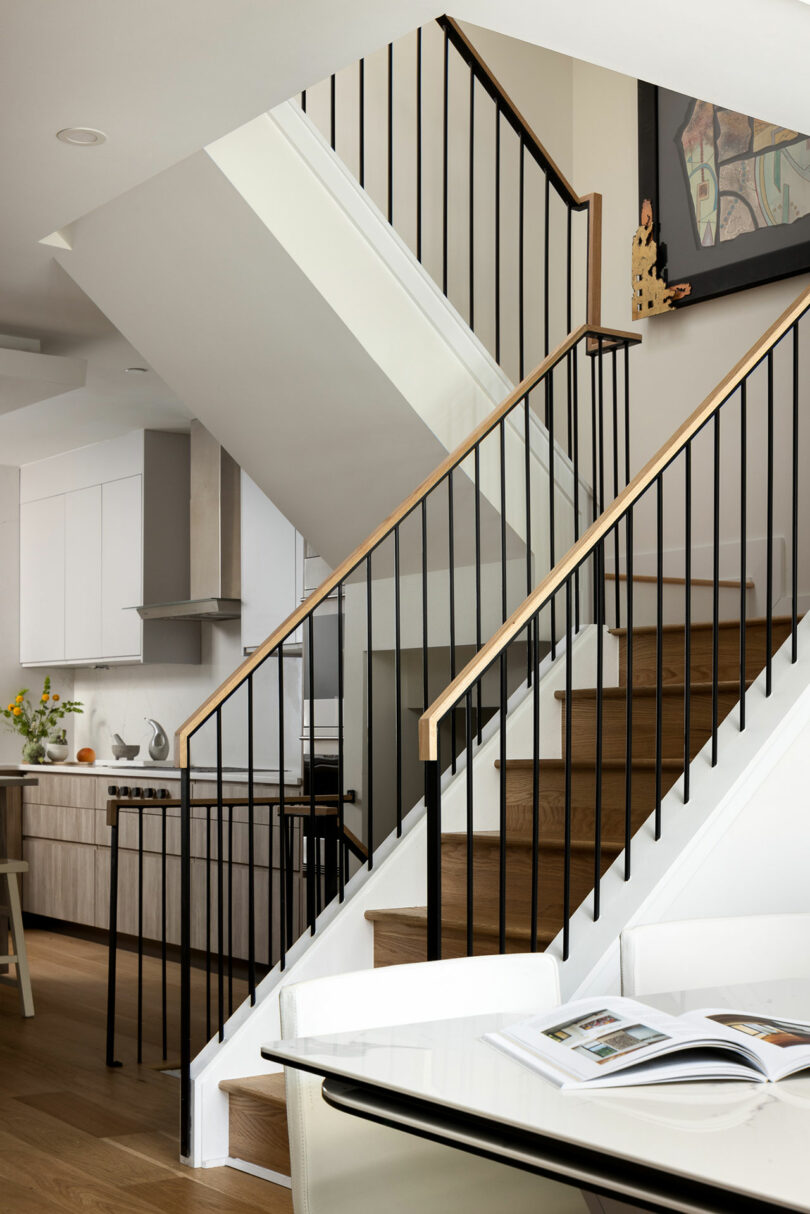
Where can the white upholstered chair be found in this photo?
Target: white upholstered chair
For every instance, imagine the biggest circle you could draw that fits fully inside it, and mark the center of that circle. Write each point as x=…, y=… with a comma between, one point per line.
x=689, y=954
x=11, y=910
x=343, y=1165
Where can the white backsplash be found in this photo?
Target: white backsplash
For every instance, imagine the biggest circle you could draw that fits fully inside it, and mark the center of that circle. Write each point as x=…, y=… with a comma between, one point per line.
x=118, y=699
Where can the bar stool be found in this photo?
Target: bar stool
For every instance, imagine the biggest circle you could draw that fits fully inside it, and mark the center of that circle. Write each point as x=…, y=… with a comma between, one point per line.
x=19, y=958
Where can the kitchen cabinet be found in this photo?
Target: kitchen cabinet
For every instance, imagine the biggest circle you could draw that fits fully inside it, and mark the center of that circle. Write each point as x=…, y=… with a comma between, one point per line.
x=42, y=574
x=102, y=530
x=66, y=841
x=272, y=567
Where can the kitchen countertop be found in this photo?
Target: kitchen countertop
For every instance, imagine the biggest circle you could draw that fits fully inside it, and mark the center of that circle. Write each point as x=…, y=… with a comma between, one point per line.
x=150, y=772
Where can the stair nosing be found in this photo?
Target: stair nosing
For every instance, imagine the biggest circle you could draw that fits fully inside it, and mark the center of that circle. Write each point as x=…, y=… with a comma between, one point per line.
x=701, y=626
x=647, y=691
x=255, y=1087
x=405, y=914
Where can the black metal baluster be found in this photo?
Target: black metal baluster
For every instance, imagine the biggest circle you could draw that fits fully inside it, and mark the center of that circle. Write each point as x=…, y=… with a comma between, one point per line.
x=715, y=586
x=284, y=911
x=164, y=1001
x=472, y=202
x=185, y=958
x=687, y=631
x=332, y=127
x=397, y=677
x=527, y=476
x=477, y=465
x=552, y=487
x=568, y=233
x=502, y=809
x=370, y=714
x=569, y=666
x=521, y=292
x=615, y=385
x=208, y=888
x=659, y=646
x=743, y=541
x=599, y=582
x=425, y=689
x=390, y=132
x=451, y=557
x=502, y=436
x=794, y=530
x=445, y=152
x=220, y=888
x=575, y=389
x=419, y=144
x=546, y=243
x=251, y=852
x=601, y=421
x=311, y=830
x=535, y=624
x=769, y=539
x=594, y=466
x=626, y=414
x=230, y=910
x=112, y=944
x=304, y=100
x=497, y=233
x=140, y=933
x=628, y=679
x=361, y=136
x=343, y=854
x=470, y=827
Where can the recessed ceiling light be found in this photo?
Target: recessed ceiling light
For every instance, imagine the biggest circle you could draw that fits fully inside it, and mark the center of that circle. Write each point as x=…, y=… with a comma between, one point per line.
x=129, y=370
x=81, y=136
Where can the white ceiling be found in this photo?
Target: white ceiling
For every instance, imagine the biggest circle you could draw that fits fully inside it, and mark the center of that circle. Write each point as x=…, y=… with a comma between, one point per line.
x=165, y=79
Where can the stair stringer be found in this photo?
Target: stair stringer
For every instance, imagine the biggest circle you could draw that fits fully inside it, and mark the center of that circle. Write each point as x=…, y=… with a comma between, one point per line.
x=344, y=938
x=714, y=856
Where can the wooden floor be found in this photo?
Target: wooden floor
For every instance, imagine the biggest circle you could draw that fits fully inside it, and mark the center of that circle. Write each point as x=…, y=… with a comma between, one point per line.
x=76, y=1136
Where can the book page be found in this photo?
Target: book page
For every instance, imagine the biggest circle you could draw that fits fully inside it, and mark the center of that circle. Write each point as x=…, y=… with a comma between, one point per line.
x=781, y=1046
x=591, y=1038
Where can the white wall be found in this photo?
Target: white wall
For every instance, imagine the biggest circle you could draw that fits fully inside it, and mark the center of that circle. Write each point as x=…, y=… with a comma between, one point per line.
x=12, y=676
x=684, y=354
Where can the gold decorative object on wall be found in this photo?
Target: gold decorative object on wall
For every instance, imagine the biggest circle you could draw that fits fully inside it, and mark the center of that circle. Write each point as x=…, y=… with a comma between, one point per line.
x=651, y=295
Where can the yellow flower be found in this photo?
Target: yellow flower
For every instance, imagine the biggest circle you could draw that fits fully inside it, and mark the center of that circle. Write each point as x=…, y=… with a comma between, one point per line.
x=18, y=699
x=18, y=712
x=45, y=697
x=55, y=697
x=11, y=707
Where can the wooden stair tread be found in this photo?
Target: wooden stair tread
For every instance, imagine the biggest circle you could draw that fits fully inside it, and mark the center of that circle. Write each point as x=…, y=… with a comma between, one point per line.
x=643, y=691
x=703, y=626
x=268, y=1088
x=416, y=916
x=589, y=764
x=491, y=838
x=669, y=580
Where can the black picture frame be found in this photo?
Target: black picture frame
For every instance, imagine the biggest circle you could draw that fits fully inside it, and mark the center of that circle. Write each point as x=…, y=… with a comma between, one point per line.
x=741, y=263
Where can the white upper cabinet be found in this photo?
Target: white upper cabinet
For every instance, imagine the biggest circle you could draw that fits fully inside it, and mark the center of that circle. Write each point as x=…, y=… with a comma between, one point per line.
x=100, y=528
x=82, y=573
x=272, y=567
x=42, y=573
x=121, y=567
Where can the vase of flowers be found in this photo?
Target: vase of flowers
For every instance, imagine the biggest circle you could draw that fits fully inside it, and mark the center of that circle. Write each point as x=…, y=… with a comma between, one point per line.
x=36, y=722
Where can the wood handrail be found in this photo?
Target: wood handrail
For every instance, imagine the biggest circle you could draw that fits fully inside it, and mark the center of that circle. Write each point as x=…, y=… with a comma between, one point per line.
x=255, y=659
x=475, y=668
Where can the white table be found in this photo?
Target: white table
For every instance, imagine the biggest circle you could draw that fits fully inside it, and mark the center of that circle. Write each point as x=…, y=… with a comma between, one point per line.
x=735, y=1148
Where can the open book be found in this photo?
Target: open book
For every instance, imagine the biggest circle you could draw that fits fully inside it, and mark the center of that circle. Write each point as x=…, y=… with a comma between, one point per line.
x=614, y=1042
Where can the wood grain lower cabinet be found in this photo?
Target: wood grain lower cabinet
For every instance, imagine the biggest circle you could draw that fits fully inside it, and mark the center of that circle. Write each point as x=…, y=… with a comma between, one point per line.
x=66, y=841
x=61, y=880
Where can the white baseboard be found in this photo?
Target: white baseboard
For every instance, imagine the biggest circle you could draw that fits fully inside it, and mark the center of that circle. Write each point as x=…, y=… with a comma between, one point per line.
x=253, y=1169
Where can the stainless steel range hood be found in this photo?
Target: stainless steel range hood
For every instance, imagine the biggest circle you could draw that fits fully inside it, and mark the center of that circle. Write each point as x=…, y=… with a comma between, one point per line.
x=215, y=589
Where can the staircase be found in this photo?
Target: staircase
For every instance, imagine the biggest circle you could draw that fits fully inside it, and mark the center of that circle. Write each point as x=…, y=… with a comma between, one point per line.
x=257, y=1117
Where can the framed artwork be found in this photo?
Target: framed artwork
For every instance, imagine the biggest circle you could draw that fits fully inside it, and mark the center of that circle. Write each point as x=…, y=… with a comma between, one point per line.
x=724, y=200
